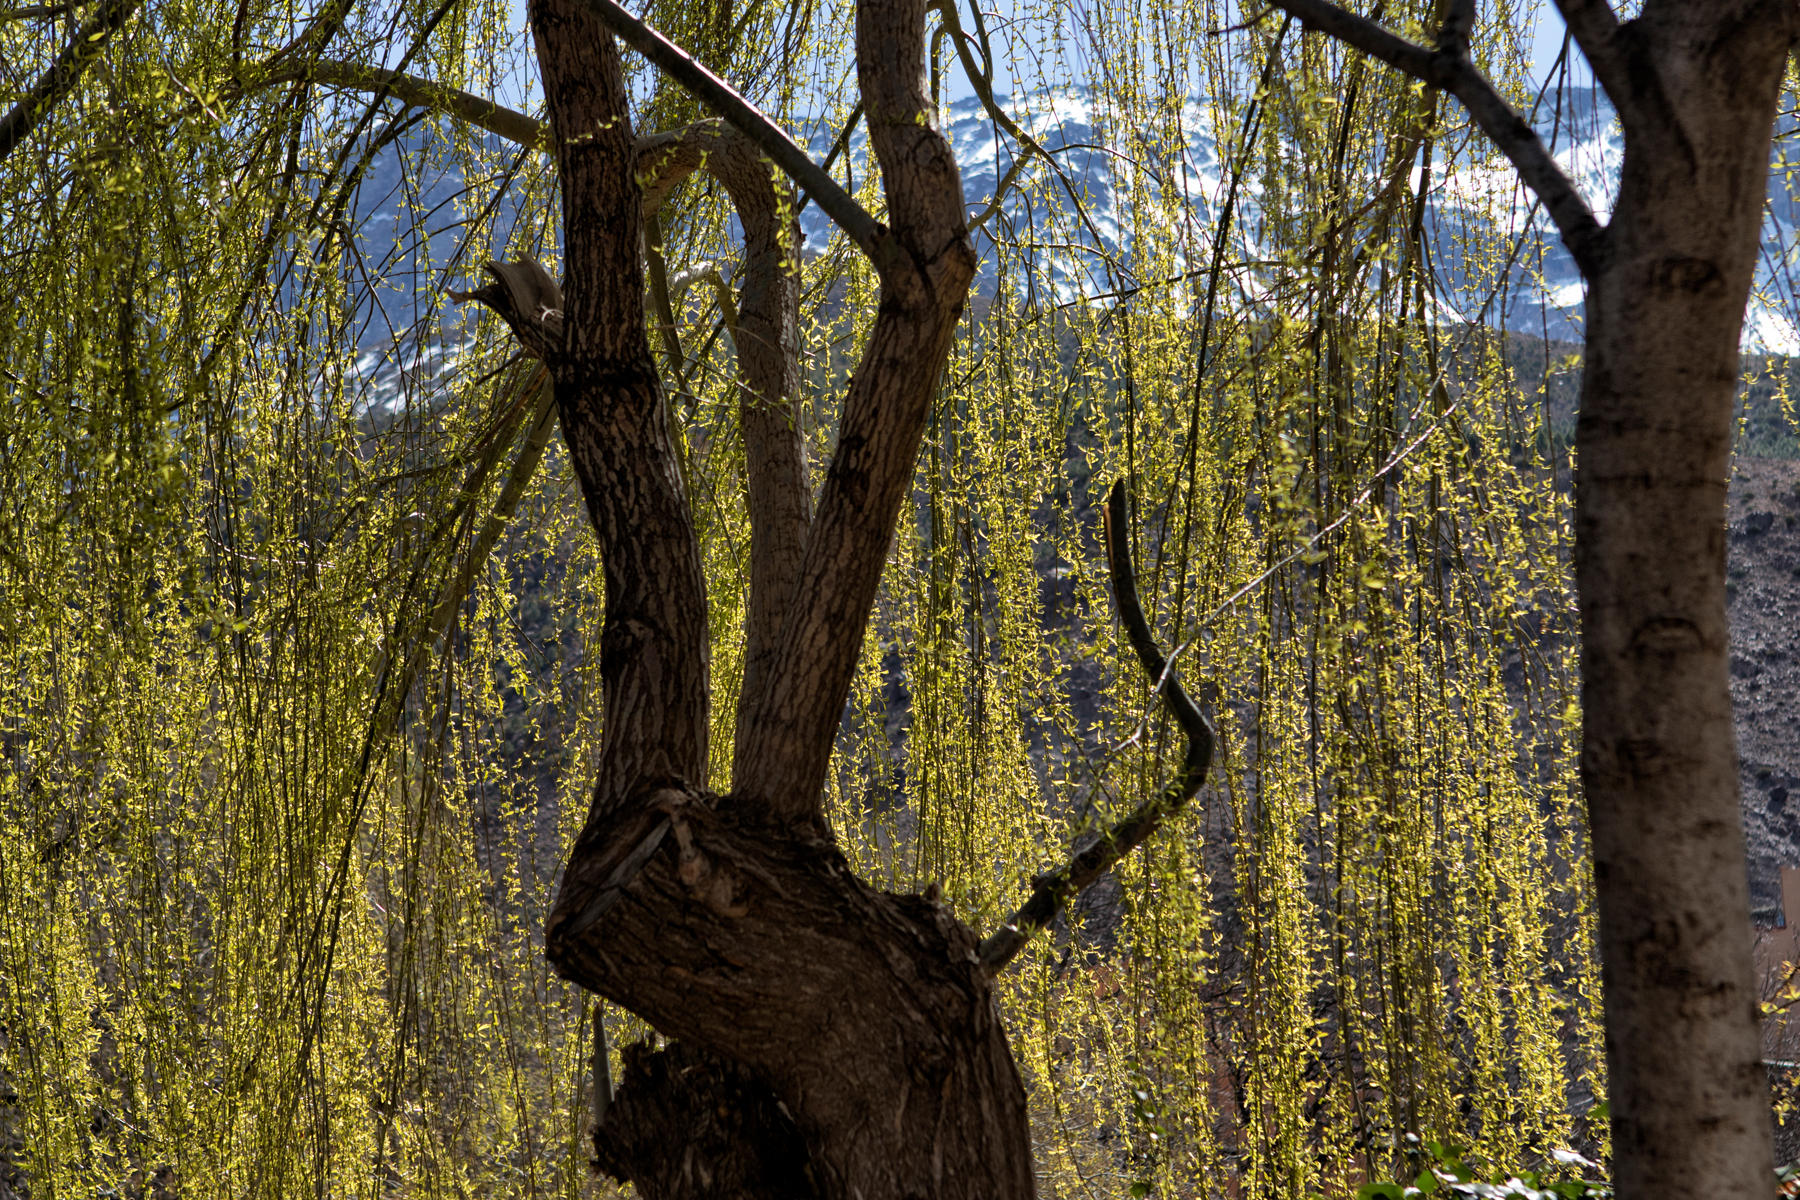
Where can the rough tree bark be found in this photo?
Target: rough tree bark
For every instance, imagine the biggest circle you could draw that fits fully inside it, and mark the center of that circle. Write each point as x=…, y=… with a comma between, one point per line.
x=850, y=1035
x=833, y=1040
x=1695, y=86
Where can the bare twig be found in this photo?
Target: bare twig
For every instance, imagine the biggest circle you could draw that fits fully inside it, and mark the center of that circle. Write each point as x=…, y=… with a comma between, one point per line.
x=722, y=98
x=1050, y=892
x=63, y=74
x=708, y=273
x=1511, y=134
x=837, y=147
x=1000, y=189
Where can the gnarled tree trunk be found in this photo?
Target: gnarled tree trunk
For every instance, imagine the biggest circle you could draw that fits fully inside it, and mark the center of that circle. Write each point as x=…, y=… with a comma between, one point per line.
x=833, y=1039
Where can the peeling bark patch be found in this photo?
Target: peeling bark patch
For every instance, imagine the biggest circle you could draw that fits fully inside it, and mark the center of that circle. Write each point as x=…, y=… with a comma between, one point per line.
x=1695, y=276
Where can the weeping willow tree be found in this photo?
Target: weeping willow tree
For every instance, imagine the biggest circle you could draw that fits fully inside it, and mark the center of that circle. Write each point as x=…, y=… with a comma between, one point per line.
x=327, y=715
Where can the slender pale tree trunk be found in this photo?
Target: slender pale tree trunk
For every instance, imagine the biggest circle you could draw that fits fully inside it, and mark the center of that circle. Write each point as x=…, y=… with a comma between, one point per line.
x=1659, y=763
x=1695, y=84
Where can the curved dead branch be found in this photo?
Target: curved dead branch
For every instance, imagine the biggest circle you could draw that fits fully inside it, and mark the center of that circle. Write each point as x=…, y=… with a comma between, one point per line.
x=1050, y=892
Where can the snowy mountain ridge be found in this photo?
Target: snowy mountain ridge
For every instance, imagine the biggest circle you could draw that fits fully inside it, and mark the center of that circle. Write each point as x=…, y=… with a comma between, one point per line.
x=1544, y=295
x=1073, y=223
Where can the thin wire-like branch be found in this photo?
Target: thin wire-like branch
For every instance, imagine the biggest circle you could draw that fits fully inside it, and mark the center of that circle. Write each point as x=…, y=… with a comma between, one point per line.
x=981, y=80
x=1000, y=190
x=1632, y=83
x=837, y=147
x=722, y=98
x=63, y=74
x=1050, y=892
x=1584, y=236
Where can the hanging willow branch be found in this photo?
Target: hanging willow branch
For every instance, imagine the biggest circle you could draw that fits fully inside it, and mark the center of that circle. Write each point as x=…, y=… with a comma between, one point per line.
x=1448, y=67
x=1050, y=892
x=63, y=74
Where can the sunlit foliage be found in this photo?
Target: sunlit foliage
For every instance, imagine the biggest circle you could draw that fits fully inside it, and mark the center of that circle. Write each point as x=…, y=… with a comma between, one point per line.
x=297, y=733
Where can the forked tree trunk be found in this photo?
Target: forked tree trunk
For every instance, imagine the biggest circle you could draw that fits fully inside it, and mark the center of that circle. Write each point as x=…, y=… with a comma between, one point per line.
x=833, y=1040
x=842, y=1042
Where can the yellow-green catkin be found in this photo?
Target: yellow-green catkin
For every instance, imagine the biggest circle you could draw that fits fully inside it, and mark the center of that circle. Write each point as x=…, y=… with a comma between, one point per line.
x=276, y=850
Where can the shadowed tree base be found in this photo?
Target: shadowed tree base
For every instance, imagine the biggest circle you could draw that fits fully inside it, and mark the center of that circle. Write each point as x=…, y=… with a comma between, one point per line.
x=687, y=1124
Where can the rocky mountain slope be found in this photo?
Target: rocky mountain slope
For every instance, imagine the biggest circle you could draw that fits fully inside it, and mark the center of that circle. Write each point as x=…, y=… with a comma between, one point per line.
x=1764, y=597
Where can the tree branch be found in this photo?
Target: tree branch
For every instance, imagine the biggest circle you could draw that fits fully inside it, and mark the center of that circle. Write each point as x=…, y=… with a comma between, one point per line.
x=653, y=638
x=37, y=10
x=837, y=147
x=790, y=727
x=478, y=111
x=1511, y=134
x=63, y=74
x=766, y=335
x=1050, y=892
x=400, y=660
x=722, y=98
x=766, y=331
x=1594, y=26
x=1633, y=81
x=528, y=300
x=1459, y=24
x=765, y=327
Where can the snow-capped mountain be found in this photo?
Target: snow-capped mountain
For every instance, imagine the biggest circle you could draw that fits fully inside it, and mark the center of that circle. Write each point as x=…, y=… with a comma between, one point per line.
x=1077, y=221
x=1092, y=253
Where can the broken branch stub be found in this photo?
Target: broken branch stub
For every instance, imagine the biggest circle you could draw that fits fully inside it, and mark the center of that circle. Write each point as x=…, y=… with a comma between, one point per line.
x=528, y=300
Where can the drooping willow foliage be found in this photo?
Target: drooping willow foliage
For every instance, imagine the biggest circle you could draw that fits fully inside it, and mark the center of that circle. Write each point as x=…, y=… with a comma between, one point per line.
x=297, y=710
